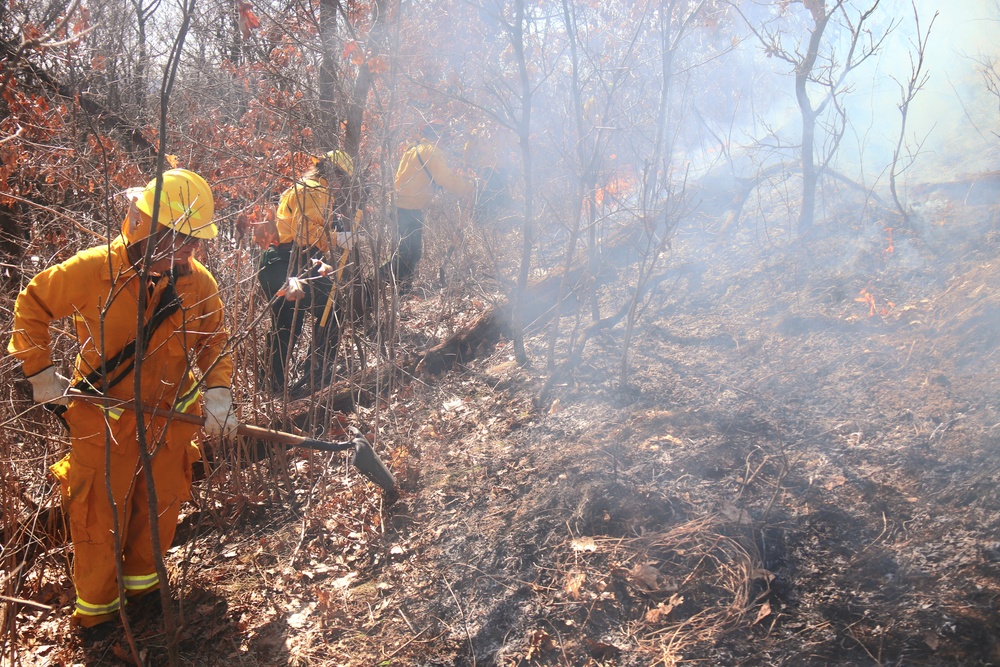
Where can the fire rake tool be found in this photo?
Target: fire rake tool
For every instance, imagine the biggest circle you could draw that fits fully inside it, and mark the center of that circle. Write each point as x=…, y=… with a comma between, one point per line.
x=363, y=457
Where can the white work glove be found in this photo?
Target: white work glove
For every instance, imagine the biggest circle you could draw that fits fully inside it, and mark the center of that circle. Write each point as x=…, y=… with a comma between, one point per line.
x=49, y=387
x=343, y=238
x=220, y=420
x=294, y=290
x=322, y=268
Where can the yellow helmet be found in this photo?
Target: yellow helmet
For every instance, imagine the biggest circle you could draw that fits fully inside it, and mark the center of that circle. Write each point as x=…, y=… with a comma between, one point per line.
x=341, y=160
x=186, y=206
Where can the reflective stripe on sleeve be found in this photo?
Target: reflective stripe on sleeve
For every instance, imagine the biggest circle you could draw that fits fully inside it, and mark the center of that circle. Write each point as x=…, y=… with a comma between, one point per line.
x=187, y=400
x=113, y=413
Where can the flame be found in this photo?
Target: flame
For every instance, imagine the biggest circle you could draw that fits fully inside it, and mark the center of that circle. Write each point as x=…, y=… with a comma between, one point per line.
x=618, y=186
x=864, y=296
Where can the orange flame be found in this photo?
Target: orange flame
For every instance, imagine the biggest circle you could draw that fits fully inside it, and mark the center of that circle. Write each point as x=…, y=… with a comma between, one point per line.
x=619, y=185
x=864, y=296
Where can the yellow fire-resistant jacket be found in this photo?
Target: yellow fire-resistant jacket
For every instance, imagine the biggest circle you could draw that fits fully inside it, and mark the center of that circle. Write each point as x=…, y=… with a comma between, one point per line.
x=413, y=179
x=100, y=283
x=303, y=213
x=99, y=288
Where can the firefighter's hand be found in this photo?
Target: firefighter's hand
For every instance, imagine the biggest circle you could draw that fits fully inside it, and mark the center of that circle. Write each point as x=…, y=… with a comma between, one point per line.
x=294, y=290
x=322, y=268
x=220, y=420
x=49, y=387
x=343, y=238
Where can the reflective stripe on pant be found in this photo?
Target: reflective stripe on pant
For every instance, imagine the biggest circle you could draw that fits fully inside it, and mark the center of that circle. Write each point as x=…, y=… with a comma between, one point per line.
x=135, y=584
x=84, y=608
x=85, y=493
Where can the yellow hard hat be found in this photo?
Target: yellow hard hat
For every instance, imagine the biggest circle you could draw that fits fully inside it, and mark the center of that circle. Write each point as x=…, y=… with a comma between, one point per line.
x=186, y=206
x=341, y=160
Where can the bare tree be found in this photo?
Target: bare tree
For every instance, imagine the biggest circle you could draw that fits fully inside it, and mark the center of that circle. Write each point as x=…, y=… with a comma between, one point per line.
x=516, y=29
x=989, y=68
x=592, y=133
x=661, y=201
x=143, y=12
x=907, y=92
x=145, y=458
x=820, y=76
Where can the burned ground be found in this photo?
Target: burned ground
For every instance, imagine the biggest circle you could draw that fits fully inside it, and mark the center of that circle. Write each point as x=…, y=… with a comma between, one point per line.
x=799, y=468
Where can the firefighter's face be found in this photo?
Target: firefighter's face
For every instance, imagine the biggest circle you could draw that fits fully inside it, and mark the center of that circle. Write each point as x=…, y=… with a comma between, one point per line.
x=336, y=181
x=172, y=249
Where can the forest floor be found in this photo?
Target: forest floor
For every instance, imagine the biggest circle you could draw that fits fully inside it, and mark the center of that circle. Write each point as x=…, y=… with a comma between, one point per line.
x=802, y=467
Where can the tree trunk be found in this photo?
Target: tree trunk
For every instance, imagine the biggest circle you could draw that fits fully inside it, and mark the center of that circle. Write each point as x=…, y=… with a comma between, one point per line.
x=809, y=176
x=524, y=139
x=363, y=83
x=328, y=131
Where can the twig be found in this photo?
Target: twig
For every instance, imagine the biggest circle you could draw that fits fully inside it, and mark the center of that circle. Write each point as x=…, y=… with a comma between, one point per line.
x=465, y=621
x=20, y=130
x=885, y=529
x=406, y=643
x=944, y=425
x=28, y=603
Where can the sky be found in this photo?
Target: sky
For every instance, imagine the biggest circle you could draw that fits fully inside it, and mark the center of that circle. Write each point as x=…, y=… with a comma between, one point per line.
x=954, y=115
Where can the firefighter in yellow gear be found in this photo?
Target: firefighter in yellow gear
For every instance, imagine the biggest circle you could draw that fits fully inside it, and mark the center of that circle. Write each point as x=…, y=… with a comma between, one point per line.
x=487, y=154
x=307, y=209
x=294, y=273
x=421, y=168
x=99, y=289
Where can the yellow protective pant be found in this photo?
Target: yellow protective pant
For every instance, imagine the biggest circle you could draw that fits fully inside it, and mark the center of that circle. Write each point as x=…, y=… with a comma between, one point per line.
x=84, y=481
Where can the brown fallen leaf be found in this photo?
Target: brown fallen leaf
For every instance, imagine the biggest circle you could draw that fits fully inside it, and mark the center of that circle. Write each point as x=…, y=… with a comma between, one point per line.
x=600, y=650
x=834, y=482
x=762, y=613
x=539, y=642
x=573, y=584
x=661, y=611
x=122, y=654
x=645, y=577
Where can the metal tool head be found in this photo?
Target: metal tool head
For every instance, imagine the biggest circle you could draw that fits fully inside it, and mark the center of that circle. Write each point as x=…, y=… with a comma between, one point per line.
x=365, y=460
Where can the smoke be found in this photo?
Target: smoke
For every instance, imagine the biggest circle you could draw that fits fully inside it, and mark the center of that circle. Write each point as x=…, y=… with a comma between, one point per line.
x=951, y=123
x=733, y=111
x=952, y=120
